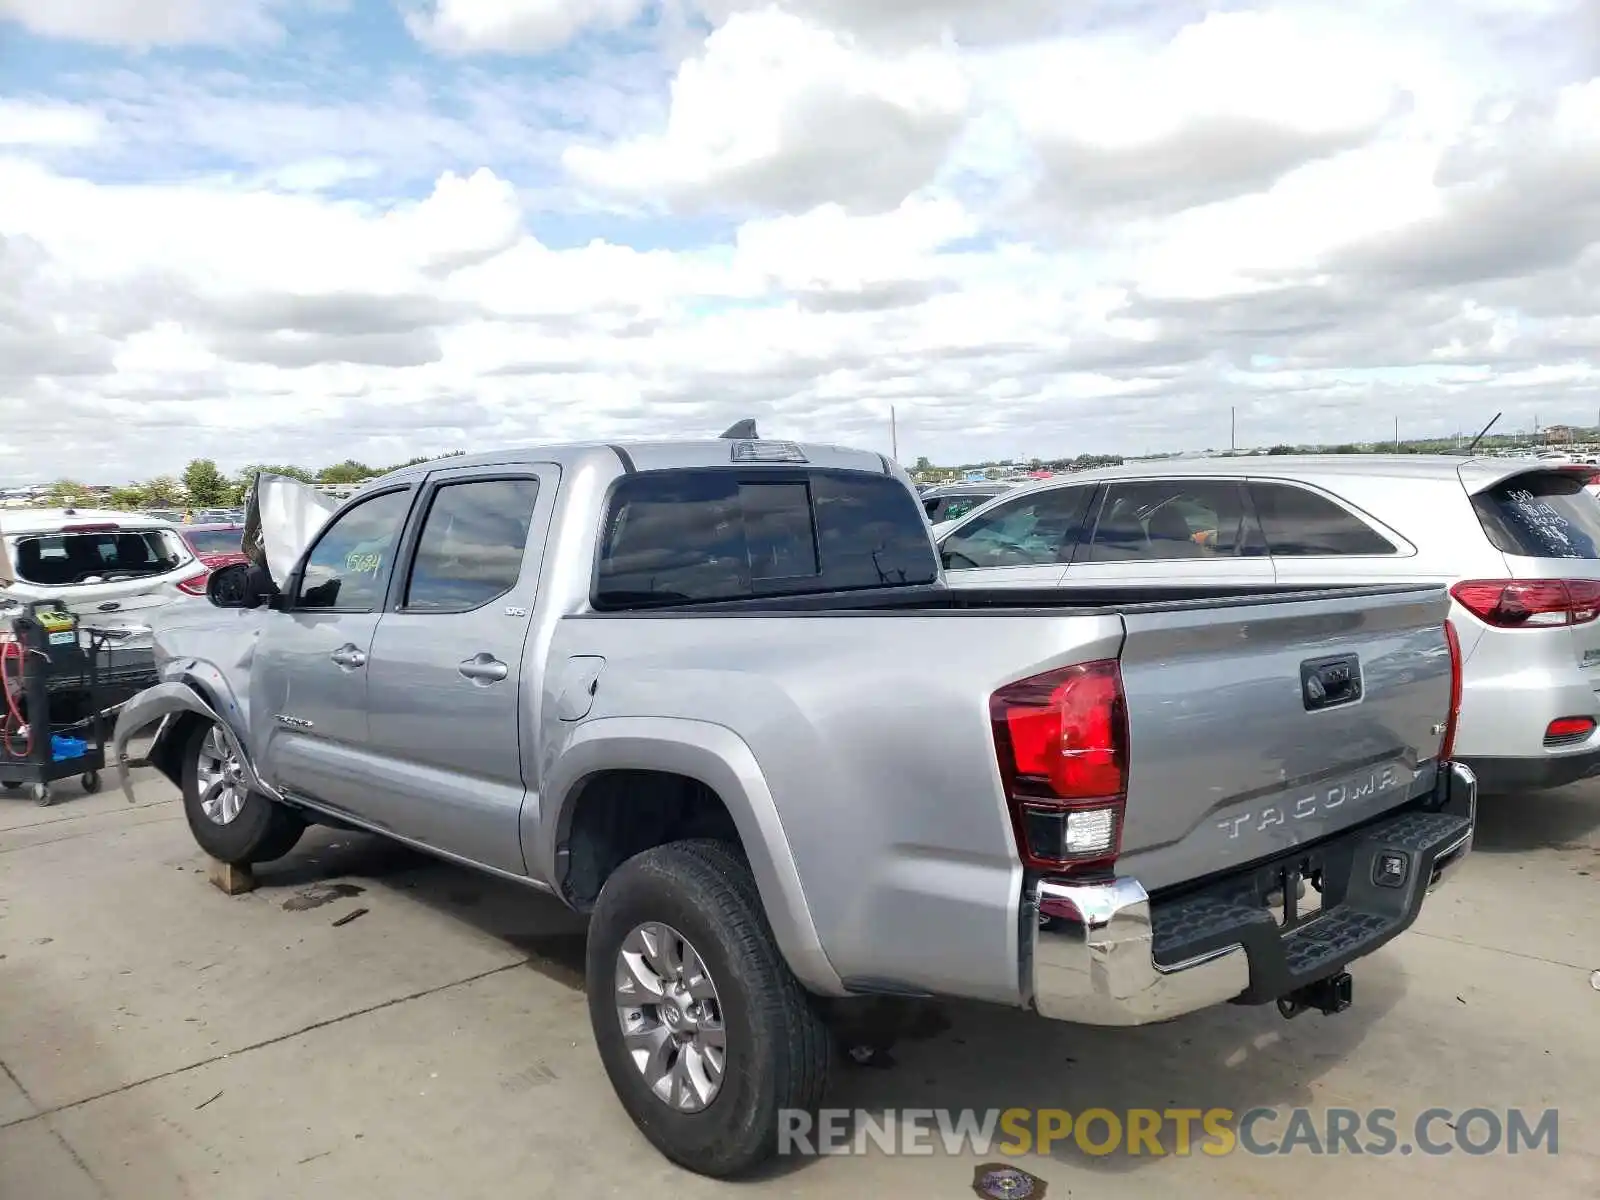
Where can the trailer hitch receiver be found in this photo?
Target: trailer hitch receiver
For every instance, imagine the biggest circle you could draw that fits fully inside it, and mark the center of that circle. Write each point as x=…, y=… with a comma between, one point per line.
x=1328, y=996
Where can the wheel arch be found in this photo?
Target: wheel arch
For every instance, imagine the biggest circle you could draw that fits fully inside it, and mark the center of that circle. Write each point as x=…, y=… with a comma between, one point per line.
x=602, y=753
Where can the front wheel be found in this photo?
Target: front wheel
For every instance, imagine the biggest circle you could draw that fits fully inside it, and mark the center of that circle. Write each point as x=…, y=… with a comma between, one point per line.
x=230, y=822
x=705, y=1033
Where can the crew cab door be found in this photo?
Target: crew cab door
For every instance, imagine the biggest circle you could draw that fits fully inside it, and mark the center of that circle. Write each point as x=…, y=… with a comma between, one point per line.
x=1024, y=542
x=446, y=674
x=309, y=677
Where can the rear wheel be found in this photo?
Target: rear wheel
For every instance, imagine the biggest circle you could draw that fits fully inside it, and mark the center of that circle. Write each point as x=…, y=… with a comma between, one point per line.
x=705, y=1033
x=230, y=822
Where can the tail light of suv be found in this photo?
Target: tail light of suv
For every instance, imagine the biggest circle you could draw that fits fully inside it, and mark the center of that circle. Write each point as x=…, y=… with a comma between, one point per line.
x=1530, y=603
x=195, y=585
x=1062, y=743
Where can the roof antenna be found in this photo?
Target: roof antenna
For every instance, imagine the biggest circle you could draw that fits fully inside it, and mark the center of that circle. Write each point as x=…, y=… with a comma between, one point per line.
x=743, y=431
x=1483, y=431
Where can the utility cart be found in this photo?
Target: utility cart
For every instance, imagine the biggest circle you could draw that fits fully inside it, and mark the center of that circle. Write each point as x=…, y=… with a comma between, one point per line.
x=52, y=715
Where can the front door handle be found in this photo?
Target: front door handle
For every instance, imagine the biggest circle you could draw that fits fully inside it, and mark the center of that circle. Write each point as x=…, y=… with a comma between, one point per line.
x=484, y=668
x=349, y=656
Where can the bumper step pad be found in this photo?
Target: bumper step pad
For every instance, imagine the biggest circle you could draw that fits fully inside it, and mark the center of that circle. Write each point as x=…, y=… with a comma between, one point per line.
x=1359, y=912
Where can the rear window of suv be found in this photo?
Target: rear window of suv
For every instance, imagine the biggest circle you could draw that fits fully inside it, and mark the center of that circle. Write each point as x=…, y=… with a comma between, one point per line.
x=64, y=559
x=1541, y=514
x=216, y=541
x=688, y=536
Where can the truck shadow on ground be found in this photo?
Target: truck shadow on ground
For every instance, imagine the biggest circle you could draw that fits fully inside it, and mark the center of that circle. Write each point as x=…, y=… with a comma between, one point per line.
x=954, y=1056
x=1564, y=819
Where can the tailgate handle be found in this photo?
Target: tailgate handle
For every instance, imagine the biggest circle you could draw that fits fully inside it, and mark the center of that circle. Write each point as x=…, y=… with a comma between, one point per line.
x=1330, y=682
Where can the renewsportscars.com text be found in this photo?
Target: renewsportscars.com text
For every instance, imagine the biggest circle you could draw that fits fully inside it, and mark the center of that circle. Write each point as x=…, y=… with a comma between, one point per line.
x=1151, y=1132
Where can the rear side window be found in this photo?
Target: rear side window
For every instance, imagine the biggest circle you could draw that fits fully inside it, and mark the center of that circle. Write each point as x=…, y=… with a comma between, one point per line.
x=681, y=537
x=471, y=547
x=60, y=560
x=1298, y=523
x=1542, y=514
x=1168, y=519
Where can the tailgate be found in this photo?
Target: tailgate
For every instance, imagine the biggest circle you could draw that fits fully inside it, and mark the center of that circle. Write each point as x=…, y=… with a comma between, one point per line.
x=1242, y=741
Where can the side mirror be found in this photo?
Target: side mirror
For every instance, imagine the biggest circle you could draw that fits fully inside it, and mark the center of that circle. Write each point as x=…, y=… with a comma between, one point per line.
x=232, y=587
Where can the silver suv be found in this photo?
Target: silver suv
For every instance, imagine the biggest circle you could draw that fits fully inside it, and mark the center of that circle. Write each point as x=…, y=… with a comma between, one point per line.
x=1518, y=541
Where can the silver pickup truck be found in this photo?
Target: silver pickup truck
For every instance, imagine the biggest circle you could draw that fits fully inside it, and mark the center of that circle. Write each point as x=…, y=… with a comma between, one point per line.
x=717, y=696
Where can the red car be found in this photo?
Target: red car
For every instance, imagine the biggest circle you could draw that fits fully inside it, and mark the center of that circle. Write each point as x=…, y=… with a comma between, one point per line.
x=215, y=546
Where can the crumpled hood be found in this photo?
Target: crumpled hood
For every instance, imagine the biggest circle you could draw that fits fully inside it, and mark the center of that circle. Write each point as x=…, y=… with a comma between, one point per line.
x=281, y=518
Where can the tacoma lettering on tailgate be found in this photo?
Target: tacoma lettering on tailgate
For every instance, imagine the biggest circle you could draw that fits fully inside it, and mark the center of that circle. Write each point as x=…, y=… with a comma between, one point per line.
x=1324, y=800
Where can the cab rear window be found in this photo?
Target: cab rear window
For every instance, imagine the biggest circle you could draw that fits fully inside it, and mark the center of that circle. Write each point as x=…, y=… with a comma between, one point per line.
x=1541, y=514
x=688, y=536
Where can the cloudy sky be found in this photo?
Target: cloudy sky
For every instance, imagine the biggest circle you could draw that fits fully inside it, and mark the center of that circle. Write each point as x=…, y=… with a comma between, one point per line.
x=305, y=230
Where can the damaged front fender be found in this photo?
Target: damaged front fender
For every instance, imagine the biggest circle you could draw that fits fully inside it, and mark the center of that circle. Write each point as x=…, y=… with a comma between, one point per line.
x=148, y=723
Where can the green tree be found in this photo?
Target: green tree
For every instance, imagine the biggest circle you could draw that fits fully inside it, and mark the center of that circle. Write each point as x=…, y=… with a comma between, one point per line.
x=208, y=487
x=422, y=458
x=162, y=492
x=924, y=463
x=127, y=499
x=349, y=471
x=300, y=473
x=65, y=493
x=1281, y=449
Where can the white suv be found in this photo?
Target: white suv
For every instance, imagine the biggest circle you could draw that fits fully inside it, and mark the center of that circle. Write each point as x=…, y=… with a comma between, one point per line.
x=111, y=569
x=1517, y=542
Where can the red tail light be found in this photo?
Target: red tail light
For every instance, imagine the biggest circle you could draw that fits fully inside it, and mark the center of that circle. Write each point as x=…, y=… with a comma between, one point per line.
x=1587, y=472
x=1530, y=603
x=195, y=585
x=1062, y=743
x=1447, y=747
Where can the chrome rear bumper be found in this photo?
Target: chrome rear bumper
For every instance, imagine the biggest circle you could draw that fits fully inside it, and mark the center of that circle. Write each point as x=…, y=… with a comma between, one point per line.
x=1104, y=954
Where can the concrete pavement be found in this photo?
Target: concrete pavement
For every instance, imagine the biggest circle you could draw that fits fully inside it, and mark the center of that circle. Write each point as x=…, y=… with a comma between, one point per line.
x=161, y=1040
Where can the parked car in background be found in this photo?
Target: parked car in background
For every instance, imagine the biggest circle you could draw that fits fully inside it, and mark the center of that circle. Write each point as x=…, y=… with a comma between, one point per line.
x=113, y=570
x=215, y=544
x=952, y=501
x=633, y=676
x=1518, y=542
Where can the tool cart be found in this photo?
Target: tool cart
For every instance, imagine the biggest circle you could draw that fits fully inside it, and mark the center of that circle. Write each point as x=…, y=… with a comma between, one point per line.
x=52, y=719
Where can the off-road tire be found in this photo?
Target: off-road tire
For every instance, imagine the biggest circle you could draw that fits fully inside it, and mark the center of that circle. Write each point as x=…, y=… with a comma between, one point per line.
x=778, y=1047
x=263, y=831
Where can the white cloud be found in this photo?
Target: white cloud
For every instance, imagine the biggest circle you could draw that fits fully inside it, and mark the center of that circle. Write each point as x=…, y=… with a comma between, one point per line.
x=520, y=26
x=144, y=23
x=779, y=113
x=47, y=126
x=1028, y=227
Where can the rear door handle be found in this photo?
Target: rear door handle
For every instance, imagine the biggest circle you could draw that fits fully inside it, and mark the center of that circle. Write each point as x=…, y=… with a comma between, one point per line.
x=350, y=656
x=484, y=668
